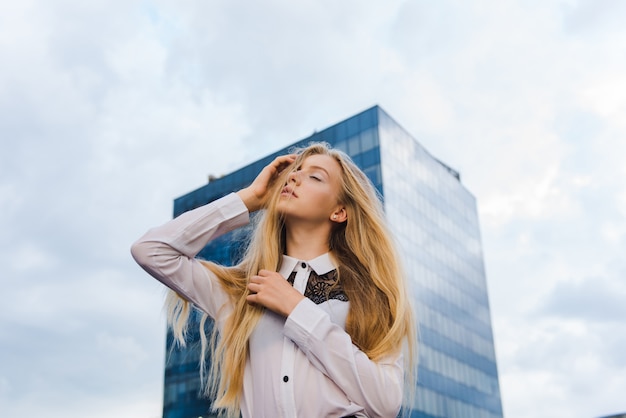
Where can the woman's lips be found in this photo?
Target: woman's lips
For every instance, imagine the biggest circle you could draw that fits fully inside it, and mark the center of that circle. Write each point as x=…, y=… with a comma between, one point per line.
x=288, y=191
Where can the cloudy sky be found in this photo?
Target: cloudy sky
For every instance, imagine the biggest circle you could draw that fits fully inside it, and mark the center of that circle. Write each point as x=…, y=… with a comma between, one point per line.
x=110, y=109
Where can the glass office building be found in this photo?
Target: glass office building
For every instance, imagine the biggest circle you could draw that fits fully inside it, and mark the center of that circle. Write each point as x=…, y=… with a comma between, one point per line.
x=435, y=222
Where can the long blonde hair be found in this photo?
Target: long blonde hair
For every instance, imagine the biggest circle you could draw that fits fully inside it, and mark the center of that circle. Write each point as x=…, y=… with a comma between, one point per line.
x=380, y=321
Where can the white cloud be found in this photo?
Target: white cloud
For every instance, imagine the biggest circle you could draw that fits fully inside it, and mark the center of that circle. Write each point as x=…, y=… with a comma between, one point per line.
x=554, y=361
x=125, y=347
x=607, y=98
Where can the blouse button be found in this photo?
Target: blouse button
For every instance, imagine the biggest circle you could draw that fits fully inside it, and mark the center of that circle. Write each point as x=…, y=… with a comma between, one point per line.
x=285, y=379
x=303, y=265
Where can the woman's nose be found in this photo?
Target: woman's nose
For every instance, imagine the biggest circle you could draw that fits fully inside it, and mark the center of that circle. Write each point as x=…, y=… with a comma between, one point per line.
x=294, y=177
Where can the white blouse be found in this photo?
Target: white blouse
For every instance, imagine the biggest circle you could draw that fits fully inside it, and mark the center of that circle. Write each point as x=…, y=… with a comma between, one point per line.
x=304, y=365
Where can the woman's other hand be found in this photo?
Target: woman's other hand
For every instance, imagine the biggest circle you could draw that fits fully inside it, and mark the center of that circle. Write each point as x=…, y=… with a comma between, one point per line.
x=270, y=290
x=255, y=195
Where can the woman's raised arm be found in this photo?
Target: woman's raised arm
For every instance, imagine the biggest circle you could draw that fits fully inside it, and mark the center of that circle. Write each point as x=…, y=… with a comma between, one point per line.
x=168, y=252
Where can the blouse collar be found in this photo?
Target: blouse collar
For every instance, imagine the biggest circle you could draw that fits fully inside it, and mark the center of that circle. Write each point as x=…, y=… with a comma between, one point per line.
x=320, y=265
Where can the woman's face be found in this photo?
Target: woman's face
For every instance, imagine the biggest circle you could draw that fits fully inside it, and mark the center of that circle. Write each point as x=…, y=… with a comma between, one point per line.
x=312, y=191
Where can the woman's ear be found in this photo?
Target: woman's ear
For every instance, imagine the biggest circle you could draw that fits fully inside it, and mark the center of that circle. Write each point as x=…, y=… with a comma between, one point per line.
x=340, y=215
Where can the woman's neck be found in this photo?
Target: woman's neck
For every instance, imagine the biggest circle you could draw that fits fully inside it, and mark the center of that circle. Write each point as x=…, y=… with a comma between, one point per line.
x=307, y=243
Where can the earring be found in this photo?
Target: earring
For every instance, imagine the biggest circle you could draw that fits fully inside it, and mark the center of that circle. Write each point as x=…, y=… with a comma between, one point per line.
x=334, y=216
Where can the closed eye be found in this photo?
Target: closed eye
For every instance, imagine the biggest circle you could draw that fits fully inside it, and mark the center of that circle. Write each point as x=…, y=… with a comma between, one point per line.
x=315, y=178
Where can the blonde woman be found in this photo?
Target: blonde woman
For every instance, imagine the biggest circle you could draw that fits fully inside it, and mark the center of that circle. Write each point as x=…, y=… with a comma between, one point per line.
x=315, y=321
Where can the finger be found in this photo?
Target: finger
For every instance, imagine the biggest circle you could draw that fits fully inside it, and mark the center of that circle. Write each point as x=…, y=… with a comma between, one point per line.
x=282, y=162
x=281, y=159
x=264, y=275
x=256, y=280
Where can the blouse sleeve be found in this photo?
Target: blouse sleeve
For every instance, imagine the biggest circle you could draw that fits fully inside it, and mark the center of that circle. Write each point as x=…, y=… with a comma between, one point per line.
x=376, y=386
x=168, y=252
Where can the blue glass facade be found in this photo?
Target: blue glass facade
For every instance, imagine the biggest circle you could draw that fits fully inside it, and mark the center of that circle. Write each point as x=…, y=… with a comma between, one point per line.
x=435, y=222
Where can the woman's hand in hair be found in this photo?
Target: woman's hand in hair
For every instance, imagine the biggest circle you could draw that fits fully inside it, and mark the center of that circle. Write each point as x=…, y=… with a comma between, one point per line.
x=270, y=290
x=255, y=196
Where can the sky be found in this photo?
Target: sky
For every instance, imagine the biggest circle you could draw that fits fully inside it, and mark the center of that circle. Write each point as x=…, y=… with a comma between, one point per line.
x=111, y=109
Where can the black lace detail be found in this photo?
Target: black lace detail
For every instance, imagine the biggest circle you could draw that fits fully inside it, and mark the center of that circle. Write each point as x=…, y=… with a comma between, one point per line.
x=291, y=278
x=322, y=288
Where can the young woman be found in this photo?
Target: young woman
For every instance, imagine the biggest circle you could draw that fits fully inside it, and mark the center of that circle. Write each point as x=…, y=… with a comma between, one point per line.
x=316, y=320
